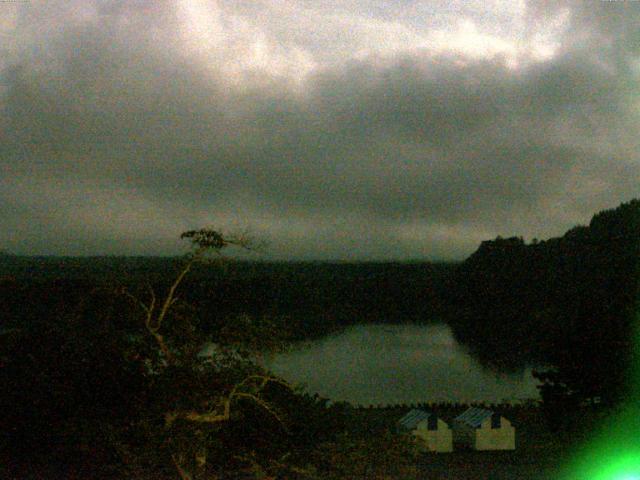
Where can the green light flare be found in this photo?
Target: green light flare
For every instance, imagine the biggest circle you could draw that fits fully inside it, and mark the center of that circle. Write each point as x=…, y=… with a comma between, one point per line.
x=614, y=452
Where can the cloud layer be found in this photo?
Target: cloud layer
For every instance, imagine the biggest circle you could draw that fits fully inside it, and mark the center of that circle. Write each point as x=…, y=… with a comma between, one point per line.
x=355, y=130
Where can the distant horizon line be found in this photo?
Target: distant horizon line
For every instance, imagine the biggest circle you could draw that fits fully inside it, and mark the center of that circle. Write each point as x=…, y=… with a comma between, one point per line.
x=231, y=257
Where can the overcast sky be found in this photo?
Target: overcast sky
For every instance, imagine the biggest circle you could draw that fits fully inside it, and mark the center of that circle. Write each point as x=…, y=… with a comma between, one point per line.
x=341, y=129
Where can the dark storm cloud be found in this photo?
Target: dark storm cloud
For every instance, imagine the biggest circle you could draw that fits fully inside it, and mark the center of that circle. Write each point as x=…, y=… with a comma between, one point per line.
x=114, y=142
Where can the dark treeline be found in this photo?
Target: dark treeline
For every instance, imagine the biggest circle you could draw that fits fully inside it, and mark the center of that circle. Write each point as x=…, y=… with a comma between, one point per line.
x=312, y=298
x=557, y=301
x=317, y=298
x=568, y=303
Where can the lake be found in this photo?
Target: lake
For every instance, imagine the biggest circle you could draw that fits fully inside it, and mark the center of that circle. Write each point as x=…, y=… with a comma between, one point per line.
x=389, y=364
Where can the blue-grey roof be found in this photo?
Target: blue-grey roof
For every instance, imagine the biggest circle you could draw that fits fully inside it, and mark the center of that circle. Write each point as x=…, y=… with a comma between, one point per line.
x=411, y=419
x=474, y=416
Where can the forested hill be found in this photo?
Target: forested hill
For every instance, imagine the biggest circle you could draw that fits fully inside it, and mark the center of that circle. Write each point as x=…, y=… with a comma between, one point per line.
x=564, y=301
x=511, y=302
x=313, y=298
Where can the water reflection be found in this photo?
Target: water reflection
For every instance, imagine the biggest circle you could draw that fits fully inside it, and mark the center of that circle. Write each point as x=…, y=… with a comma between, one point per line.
x=373, y=364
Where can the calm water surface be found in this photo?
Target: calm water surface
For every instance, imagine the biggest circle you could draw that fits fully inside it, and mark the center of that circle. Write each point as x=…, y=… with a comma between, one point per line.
x=373, y=364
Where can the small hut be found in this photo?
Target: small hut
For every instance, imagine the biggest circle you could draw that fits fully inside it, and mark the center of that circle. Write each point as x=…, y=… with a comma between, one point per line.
x=481, y=429
x=433, y=434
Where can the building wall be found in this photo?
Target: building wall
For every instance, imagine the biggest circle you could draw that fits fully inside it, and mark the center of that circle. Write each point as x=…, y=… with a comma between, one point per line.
x=439, y=440
x=503, y=438
x=463, y=435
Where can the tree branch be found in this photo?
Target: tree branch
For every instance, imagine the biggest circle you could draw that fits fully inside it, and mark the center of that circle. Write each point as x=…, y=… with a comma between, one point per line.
x=152, y=306
x=184, y=475
x=135, y=299
x=169, y=300
x=263, y=404
x=217, y=417
x=148, y=322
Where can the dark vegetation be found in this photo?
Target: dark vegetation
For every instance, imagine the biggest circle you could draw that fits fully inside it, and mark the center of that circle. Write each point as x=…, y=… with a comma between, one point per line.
x=108, y=380
x=95, y=386
x=315, y=298
x=567, y=303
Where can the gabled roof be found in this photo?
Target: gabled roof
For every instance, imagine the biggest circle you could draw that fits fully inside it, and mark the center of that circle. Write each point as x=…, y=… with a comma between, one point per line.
x=411, y=419
x=474, y=416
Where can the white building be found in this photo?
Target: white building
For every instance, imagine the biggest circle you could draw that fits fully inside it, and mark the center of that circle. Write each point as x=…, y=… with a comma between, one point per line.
x=481, y=429
x=432, y=434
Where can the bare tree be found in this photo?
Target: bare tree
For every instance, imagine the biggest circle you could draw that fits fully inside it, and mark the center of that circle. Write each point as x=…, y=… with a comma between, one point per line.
x=219, y=408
